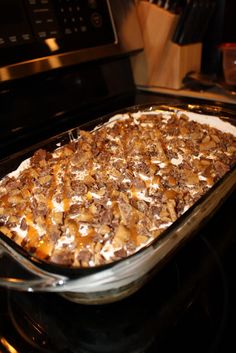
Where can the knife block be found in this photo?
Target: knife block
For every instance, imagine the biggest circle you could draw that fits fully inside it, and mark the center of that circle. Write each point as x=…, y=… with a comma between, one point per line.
x=162, y=63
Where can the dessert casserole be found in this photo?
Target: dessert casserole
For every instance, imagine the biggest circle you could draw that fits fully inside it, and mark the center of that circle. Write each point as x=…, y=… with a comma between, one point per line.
x=113, y=190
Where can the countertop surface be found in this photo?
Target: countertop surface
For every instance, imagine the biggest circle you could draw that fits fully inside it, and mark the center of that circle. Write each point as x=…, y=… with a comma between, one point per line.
x=214, y=94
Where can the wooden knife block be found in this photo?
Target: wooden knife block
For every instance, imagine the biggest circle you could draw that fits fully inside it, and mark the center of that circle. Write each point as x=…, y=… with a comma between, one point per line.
x=162, y=63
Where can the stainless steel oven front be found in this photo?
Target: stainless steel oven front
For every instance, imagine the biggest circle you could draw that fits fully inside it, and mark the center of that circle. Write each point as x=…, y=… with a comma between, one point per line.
x=41, y=35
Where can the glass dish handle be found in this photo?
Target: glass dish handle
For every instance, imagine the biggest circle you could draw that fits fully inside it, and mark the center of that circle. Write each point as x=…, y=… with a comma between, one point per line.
x=42, y=280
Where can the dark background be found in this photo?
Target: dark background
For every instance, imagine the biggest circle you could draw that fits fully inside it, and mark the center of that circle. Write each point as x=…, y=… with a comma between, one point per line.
x=222, y=29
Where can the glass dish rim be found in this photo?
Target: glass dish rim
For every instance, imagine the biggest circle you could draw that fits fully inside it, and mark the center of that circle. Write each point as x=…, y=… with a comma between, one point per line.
x=69, y=135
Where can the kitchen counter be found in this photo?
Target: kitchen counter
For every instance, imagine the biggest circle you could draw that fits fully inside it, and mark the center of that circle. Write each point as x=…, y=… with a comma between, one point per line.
x=214, y=94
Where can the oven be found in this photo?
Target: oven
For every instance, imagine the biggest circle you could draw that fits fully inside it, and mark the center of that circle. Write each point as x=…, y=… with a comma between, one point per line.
x=62, y=64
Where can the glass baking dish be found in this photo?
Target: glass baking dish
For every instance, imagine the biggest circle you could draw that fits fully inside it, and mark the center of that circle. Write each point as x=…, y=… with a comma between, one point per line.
x=114, y=281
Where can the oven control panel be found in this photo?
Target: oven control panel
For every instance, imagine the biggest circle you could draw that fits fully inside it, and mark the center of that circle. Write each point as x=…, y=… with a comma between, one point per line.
x=31, y=29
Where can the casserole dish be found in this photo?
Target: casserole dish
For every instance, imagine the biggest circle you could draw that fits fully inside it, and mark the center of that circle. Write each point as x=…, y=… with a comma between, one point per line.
x=118, y=279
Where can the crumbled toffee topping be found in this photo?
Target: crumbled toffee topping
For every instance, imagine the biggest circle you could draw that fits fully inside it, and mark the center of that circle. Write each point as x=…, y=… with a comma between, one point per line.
x=112, y=191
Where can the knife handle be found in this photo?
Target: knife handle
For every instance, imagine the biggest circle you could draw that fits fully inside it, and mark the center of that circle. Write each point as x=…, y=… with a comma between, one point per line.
x=180, y=25
x=160, y=3
x=177, y=6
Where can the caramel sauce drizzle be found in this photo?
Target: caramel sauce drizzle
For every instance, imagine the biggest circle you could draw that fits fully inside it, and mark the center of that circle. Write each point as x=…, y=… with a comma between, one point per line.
x=83, y=241
x=44, y=247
